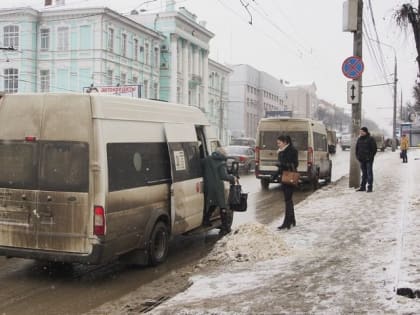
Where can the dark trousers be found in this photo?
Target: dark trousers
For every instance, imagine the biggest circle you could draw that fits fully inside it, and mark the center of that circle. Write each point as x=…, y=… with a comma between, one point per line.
x=404, y=156
x=367, y=173
x=289, y=215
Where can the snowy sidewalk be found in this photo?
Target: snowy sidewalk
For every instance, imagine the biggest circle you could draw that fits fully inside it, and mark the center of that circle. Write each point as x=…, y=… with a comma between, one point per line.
x=348, y=254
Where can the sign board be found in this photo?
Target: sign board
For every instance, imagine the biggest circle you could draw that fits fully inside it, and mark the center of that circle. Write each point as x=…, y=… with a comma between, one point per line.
x=123, y=90
x=353, y=67
x=353, y=92
x=350, y=16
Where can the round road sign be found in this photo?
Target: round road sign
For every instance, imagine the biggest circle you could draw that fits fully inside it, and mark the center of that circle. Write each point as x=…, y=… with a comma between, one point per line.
x=353, y=67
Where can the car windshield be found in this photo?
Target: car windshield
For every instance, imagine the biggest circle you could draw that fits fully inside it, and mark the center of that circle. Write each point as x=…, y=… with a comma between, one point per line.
x=237, y=150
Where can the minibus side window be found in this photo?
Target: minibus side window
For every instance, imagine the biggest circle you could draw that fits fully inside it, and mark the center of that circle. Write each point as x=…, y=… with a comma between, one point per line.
x=132, y=165
x=320, y=142
x=186, y=161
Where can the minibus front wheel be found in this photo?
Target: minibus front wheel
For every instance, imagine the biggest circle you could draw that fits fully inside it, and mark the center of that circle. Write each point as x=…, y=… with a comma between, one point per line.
x=158, y=244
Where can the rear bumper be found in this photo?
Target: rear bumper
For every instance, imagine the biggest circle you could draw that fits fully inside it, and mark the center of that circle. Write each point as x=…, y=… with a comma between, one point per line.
x=96, y=256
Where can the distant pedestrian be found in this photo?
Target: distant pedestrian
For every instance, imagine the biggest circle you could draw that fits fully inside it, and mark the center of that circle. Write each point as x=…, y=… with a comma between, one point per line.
x=405, y=143
x=287, y=161
x=365, y=154
x=215, y=172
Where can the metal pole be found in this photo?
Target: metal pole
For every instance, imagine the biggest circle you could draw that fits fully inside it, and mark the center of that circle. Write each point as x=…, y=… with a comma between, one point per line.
x=356, y=109
x=394, y=117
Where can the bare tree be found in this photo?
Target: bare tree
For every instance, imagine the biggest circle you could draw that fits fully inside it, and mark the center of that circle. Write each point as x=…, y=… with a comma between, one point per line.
x=409, y=15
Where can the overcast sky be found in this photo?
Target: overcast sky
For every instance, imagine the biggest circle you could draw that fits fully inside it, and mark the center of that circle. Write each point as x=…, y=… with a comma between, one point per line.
x=299, y=41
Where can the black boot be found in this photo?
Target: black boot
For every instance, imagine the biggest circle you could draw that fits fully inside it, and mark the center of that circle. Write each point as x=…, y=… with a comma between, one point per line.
x=369, y=189
x=287, y=222
x=225, y=229
x=361, y=189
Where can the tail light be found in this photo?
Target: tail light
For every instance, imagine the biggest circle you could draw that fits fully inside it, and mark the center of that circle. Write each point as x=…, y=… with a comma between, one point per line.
x=99, y=221
x=310, y=156
x=242, y=159
x=30, y=139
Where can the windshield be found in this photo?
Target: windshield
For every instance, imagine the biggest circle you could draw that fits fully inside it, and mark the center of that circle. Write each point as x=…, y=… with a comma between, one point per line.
x=44, y=165
x=237, y=150
x=246, y=142
x=268, y=139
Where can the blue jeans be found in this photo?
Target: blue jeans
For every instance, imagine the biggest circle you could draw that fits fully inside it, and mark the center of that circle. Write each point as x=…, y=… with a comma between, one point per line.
x=404, y=156
x=367, y=173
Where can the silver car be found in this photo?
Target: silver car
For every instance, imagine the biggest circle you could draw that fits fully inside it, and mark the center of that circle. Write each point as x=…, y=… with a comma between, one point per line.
x=244, y=155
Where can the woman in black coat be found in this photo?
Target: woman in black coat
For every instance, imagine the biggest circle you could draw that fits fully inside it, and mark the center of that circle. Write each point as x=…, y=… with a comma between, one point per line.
x=288, y=161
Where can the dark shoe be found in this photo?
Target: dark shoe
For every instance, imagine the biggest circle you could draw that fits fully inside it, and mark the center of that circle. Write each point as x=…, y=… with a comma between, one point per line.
x=369, y=190
x=284, y=226
x=361, y=189
x=207, y=223
x=224, y=231
x=294, y=222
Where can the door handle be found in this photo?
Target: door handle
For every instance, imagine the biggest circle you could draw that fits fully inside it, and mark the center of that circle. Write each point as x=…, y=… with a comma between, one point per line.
x=49, y=198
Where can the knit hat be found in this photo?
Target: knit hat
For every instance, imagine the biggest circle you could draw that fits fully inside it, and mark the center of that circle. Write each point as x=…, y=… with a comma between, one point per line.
x=364, y=129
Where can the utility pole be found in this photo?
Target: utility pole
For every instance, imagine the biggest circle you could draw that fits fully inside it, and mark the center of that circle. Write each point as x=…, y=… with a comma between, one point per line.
x=356, y=109
x=394, y=116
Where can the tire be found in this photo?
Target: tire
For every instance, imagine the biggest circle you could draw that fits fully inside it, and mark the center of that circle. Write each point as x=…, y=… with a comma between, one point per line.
x=328, y=179
x=265, y=183
x=158, y=244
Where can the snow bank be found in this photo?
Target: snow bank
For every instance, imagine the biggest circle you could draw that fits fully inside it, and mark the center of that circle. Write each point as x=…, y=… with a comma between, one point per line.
x=249, y=242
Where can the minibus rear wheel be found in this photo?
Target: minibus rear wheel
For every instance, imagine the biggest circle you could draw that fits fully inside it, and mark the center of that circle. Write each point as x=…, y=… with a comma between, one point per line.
x=158, y=244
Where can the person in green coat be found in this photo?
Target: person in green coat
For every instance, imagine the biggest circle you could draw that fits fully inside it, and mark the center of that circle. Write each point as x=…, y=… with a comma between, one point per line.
x=215, y=172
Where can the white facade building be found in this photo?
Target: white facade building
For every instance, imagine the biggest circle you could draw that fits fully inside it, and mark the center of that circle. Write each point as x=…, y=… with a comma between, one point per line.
x=252, y=93
x=302, y=100
x=184, y=61
x=218, y=98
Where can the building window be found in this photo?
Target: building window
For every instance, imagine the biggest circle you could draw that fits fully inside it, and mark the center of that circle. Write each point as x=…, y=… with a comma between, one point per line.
x=85, y=37
x=124, y=45
x=63, y=38
x=147, y=54
x=142, y=54
x=45, y=80
x=45, y=39
x=146, y=88
x=11, y=36
x=135, y=79
x=11, y=80
x=156, y=57
x=123, y=78
x=111, y=39
x=136, y=49
x=156, y=91
x=109, y=75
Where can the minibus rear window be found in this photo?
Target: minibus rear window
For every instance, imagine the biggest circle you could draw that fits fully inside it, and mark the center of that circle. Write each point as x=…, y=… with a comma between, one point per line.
x=18, y=165
x=64, y=166
x=269, y=139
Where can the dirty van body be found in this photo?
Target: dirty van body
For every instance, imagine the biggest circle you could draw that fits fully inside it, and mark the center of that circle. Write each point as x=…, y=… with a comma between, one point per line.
x=91, y=178
x=308, y=137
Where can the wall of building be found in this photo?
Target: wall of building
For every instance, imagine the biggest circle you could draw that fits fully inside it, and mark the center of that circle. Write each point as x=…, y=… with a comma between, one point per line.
x=252, y=93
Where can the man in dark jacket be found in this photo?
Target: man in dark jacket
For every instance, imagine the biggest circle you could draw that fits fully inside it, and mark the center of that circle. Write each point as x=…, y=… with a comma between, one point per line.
x=215, y=172
x=365, y=154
